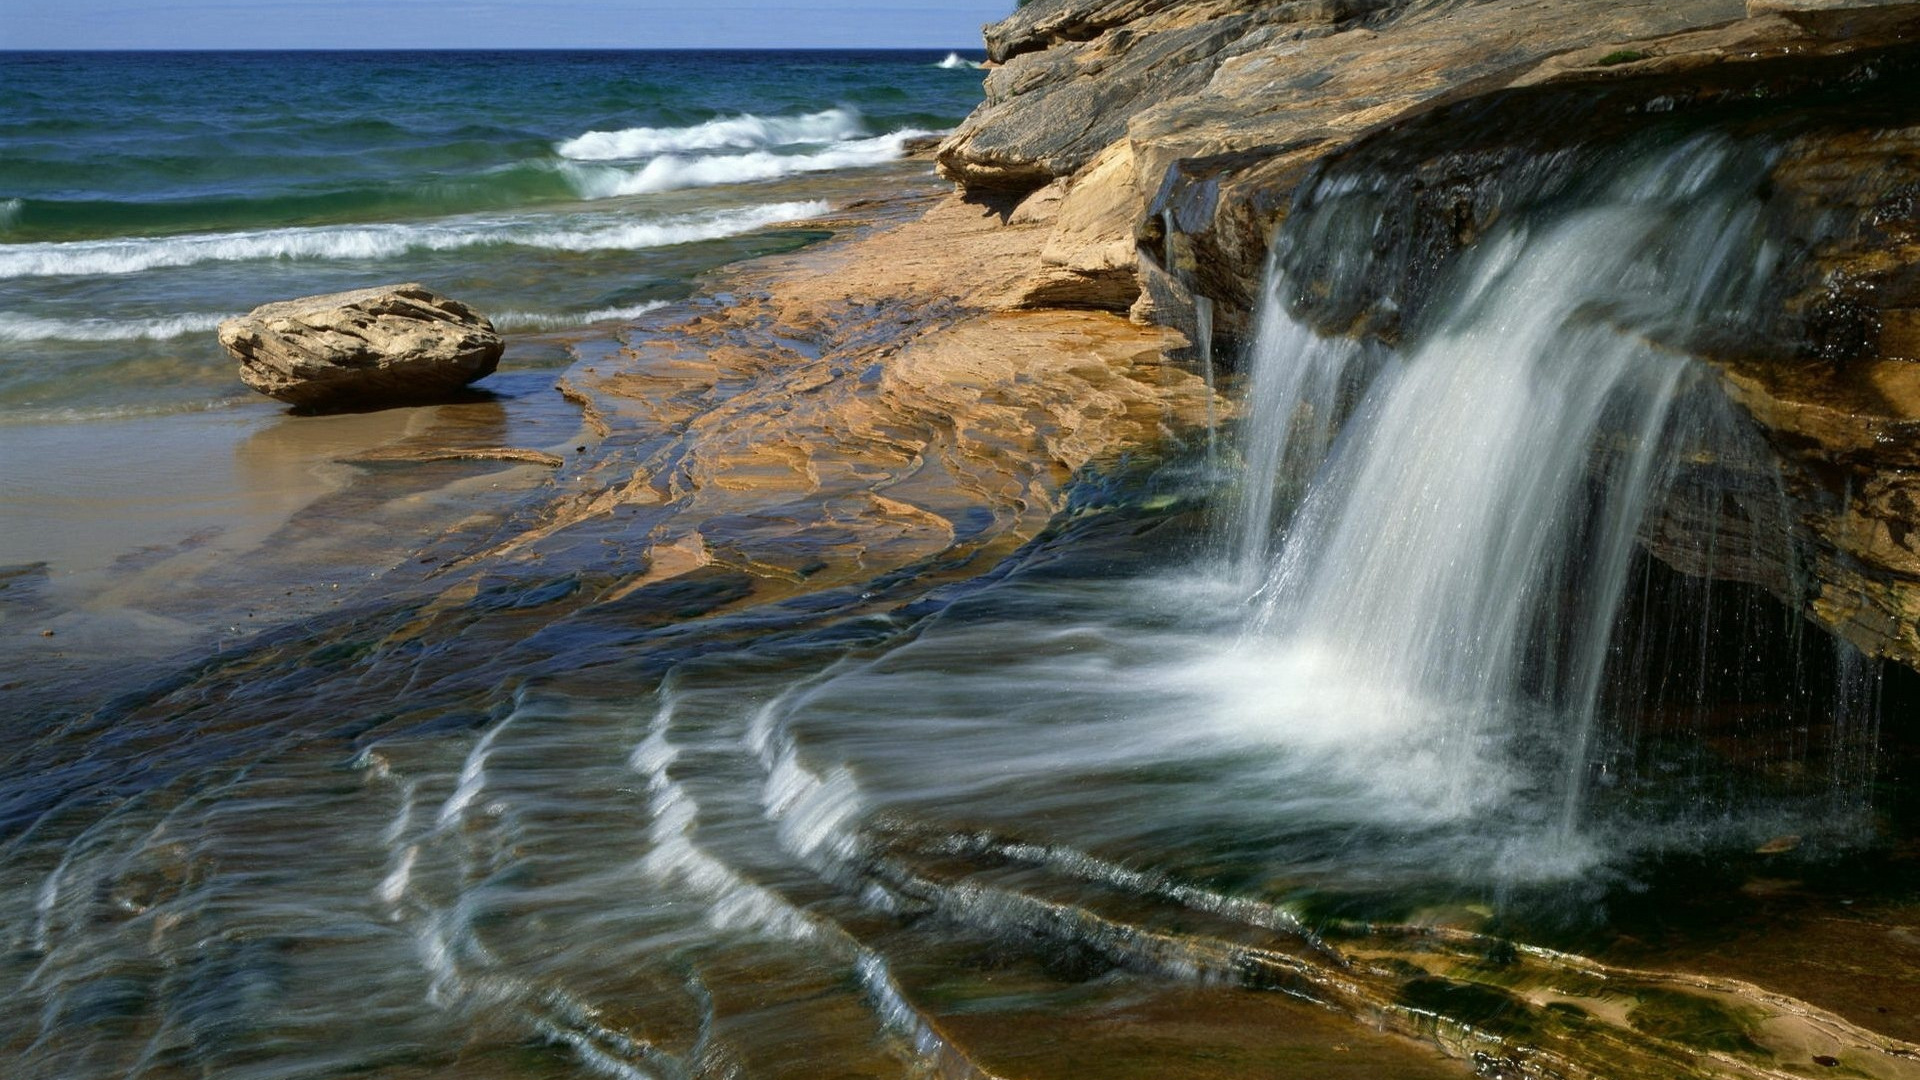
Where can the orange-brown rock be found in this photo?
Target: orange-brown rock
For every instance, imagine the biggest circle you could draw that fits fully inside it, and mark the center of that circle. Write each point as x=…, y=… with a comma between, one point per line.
x=864, y=404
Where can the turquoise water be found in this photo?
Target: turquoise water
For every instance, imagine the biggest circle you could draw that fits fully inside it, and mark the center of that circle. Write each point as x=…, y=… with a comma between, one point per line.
x=143, y=197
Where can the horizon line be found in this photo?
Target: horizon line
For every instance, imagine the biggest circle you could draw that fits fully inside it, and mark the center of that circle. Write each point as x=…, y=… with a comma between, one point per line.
x=494, y=48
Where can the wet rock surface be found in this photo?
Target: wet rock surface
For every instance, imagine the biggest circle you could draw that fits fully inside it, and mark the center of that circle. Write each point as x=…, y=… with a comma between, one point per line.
x=386, y=345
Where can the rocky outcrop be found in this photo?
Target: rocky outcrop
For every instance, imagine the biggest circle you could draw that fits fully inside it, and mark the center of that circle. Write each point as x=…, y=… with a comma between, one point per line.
x=1169, y=137
x=879, y=401
x=1076, y=73
x=387, y=345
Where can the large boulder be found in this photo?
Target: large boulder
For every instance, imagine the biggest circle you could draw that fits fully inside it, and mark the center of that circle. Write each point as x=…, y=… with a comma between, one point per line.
x=391, y=344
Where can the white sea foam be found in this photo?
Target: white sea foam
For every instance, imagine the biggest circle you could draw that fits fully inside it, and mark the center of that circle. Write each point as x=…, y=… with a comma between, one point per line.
x=673, y=171
x=386, y=241
x=15, y=327
x=10, y=211
x=745, y=132
x=955, y=61
x=713, y=225
x=543, y=320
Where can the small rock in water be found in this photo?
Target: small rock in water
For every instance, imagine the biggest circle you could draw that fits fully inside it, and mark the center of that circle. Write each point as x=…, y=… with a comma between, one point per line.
x=389, y=345
x=1778, y=845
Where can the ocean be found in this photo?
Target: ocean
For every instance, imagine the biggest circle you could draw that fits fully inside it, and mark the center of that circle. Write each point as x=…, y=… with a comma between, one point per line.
x=146, y=196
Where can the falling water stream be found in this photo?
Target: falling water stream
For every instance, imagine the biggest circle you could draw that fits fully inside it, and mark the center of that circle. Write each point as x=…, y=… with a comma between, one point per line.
x=1055, y=820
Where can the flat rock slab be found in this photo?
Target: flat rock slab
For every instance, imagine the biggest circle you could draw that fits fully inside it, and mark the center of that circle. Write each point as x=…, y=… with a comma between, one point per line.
x=389, y=345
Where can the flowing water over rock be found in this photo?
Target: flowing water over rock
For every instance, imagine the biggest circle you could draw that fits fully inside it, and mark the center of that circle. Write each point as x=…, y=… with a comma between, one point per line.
x=1150, y=796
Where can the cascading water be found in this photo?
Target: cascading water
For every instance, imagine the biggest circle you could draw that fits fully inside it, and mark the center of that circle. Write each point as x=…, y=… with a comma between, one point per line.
x=1449, y=583
x=1203, y=331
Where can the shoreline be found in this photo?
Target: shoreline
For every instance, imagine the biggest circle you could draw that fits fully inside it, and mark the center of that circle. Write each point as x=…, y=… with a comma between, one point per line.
x=911, y=278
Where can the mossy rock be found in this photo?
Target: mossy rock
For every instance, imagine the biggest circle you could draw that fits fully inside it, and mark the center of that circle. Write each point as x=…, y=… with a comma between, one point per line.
x=1692, y=1021
x=1487, y=1008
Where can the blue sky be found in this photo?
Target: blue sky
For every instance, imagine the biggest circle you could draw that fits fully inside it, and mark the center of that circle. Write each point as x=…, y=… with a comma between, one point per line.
x=417, y=24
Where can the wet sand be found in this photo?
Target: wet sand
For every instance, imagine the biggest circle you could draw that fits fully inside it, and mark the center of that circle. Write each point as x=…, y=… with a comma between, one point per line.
x=128, y=542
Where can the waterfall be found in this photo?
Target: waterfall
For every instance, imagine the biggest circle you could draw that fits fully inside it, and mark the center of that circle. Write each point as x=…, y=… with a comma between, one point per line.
x=1203, y=331
x=1449, y=576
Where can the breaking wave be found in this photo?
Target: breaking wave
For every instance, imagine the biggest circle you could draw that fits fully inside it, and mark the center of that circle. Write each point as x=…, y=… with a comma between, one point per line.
x=540, y=320
x=386, y=241
x=673, y=172
x=744, y=132
x=15, y=327
x=955, y=61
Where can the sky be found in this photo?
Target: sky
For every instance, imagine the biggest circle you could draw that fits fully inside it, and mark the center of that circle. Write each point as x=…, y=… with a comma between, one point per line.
x=528, y=24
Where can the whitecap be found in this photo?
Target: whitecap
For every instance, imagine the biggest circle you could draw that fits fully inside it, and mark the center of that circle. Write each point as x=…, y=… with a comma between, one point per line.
x=742, y=132
x=15, y=327
x=955, y=61
x=713, y=225
x=542, y=320
x=673, y=172
x=386, y=241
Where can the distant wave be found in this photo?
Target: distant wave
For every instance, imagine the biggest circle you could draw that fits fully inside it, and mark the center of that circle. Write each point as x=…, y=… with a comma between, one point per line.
x=10, y=211
x=371, y=242
x=31, y=328
x=744, y=132
x=673, y=171
x=954, y=61
x=540, y=320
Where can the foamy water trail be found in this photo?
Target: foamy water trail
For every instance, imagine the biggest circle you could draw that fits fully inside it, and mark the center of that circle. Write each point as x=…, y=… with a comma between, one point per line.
x=386, y=241
x=672, y=172
x=743, y=132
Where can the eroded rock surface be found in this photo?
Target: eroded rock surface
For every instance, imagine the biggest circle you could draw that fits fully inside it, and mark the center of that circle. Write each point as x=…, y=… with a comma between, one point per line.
x=876, y=402
x=386, y=345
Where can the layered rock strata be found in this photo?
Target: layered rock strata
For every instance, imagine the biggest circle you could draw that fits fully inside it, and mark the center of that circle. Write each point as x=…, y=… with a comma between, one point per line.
x=868, y=404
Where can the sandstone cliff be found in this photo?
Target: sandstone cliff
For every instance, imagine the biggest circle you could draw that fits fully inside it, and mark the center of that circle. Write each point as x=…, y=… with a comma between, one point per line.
x=1167, y=138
